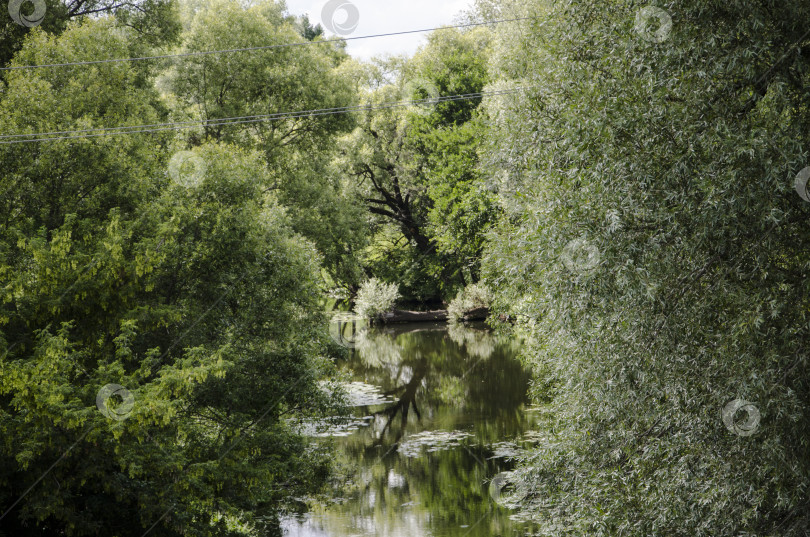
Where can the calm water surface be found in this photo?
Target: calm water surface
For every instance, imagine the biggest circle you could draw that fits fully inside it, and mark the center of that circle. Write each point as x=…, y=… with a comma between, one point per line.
x=440, y=411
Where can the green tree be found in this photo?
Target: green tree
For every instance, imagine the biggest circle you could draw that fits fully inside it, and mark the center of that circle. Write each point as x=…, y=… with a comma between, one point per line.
x=184, y=284
x=654, y=251
x=417, y=168
x=153, y=22
x=307, y=30
x=298, y=149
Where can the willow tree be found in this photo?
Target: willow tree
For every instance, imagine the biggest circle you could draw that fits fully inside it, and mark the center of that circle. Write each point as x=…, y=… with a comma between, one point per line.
x=279, y=80
x=655, y=253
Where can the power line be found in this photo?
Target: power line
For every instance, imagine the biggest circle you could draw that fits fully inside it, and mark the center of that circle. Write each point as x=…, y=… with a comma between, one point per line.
x=231, y=120
x=265, y=47
x=317, y=111
x=180, y=125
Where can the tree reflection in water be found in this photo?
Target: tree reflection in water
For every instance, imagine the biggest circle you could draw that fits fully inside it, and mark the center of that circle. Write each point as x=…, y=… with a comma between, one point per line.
x=457, y=393
x=405, y=401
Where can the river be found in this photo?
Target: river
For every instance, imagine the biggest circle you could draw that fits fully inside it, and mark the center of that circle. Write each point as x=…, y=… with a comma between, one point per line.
x=439, y=412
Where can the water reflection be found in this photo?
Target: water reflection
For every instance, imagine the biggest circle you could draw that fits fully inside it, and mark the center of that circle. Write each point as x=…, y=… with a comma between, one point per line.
x=447, y=402
x=346, y=328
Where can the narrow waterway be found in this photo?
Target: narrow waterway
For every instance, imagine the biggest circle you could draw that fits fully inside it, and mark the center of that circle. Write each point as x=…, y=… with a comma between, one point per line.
x=440, y=411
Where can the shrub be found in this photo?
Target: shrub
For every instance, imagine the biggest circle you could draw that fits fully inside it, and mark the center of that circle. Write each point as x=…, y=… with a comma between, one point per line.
x=375, y=297
x=470, y=298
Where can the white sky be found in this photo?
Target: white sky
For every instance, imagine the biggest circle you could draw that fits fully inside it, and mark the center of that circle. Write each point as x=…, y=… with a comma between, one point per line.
x=383, y=16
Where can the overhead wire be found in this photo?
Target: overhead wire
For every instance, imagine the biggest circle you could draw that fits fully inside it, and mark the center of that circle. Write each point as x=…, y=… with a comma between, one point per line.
x=237, y=120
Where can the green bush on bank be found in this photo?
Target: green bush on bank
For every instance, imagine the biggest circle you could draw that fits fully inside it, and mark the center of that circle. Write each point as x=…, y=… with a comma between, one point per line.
x=474, y=296
x=375, y=297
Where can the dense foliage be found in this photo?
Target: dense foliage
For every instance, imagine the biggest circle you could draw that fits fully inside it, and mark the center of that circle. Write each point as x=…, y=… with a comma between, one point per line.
x=296, y=150
x=152, y=22
x=630, y=208
x=417, y=170
x=177, y=275
x=656, y=255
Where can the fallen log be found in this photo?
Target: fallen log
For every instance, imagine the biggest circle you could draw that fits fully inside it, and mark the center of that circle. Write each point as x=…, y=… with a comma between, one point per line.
x=406, y=316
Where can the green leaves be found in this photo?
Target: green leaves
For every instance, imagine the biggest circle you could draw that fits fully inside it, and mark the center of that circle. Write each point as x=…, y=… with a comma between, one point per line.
x=416, y=170
x=656, y=153
x=196, y=297
x=298, y=151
